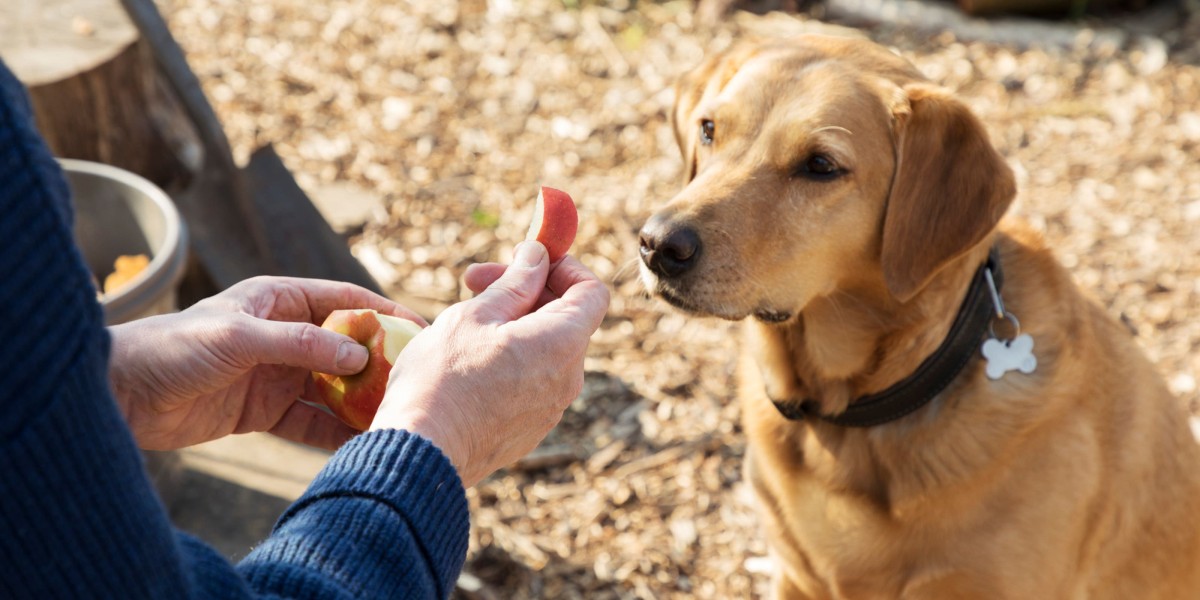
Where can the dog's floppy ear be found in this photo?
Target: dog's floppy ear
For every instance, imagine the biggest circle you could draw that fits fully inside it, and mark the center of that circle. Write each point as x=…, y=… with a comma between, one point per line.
x=950, y=188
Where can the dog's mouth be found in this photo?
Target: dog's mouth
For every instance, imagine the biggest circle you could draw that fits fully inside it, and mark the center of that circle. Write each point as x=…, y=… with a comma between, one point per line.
x=680, y=296
x=679, y=301
x=687, y=304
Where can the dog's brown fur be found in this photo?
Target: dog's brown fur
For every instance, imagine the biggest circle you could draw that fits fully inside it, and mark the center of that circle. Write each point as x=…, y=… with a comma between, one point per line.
x=1080, y=480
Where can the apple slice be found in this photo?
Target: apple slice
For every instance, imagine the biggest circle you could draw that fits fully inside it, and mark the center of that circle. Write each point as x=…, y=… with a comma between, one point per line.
x=355, y=398
x=555, y=222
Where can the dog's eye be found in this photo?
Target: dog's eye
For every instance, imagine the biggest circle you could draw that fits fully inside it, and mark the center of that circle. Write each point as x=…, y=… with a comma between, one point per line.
x=706, y=132
x=819, y=167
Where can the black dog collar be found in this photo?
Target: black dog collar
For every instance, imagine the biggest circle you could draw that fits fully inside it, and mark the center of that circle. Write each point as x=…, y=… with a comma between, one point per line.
x=934, y=373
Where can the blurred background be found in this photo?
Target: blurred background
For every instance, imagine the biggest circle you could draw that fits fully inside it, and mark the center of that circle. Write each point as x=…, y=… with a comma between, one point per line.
x=420, y=131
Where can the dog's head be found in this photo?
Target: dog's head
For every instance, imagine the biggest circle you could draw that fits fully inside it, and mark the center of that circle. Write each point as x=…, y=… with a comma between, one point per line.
x=816, y=165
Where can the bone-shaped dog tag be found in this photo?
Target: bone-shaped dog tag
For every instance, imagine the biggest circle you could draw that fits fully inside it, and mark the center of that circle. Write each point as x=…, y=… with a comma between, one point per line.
x=1013, y=355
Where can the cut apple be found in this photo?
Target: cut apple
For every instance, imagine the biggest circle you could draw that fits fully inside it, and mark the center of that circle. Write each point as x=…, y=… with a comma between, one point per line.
x=555, y=221
x=356, y=398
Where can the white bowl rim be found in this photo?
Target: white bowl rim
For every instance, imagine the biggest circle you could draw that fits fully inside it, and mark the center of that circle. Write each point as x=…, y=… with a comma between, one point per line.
x=173, y=235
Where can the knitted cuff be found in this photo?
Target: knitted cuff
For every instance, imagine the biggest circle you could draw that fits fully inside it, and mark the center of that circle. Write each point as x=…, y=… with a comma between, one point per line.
x=413, y=477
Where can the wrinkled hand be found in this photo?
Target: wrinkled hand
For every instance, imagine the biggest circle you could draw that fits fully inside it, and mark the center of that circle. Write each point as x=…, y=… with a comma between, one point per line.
x=238, y=362
x=493, y=375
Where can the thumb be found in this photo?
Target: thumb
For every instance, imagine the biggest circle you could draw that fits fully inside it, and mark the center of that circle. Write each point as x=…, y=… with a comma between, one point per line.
x=304, y=345
x=516, y=292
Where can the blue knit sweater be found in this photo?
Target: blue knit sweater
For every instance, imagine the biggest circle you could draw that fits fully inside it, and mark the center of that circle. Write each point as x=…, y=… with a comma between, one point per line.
x=387, y=517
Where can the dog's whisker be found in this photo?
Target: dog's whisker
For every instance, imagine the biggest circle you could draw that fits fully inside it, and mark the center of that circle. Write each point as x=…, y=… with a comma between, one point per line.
x=629, y=268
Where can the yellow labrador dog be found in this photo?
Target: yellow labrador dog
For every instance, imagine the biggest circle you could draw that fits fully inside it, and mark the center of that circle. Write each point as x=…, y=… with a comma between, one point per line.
x=933, y=410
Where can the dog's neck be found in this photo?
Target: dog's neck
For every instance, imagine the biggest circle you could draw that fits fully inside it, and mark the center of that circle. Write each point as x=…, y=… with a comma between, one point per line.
x=861, y=340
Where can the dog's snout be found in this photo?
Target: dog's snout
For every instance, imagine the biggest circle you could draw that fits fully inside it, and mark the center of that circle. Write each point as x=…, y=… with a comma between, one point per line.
x=670, y=249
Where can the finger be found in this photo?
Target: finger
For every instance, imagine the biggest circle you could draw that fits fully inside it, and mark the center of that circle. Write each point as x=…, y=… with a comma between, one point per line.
x=296, y=298
x=516, y=292
x=312, y=426
x=567, y=273
x=546, y=297
x=479, y=276
x=326, y=296
x=577, y=286
x=297, y=344
x=582, y=298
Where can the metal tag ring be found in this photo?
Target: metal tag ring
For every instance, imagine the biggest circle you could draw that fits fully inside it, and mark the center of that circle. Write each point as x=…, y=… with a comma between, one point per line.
x=1010, y=317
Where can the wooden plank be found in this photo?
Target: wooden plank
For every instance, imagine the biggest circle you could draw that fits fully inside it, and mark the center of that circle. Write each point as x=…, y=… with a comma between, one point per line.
x=302, y=242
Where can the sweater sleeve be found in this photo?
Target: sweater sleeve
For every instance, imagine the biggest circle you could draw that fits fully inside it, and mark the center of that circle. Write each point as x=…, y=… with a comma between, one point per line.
x=387, y=517
x=390, y=481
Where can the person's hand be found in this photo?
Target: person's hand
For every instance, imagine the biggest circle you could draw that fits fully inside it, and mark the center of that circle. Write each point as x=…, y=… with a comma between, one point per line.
x=239, y=362
x=493, y=375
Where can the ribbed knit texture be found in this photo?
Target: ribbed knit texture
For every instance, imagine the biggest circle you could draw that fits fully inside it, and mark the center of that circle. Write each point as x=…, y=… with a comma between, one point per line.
x=428, y=502
x=386, y=518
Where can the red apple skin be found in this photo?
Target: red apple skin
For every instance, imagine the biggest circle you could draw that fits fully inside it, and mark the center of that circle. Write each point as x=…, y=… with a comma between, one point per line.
x=558, y=222
x=355, y=398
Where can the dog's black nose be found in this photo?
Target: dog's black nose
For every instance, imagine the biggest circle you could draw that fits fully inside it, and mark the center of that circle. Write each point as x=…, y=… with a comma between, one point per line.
x=668, y=248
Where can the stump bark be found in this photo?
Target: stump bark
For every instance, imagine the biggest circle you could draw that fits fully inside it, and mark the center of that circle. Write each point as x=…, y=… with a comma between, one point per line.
x=95, y=89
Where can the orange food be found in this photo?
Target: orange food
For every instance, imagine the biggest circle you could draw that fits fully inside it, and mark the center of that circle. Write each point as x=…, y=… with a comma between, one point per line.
x=126, y=268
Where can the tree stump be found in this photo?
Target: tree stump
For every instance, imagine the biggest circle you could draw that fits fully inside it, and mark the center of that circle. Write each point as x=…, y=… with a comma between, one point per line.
x=95, y=89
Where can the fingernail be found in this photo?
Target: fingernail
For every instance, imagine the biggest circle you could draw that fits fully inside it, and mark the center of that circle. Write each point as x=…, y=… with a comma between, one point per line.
x=351, y=356
x=529, y=254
